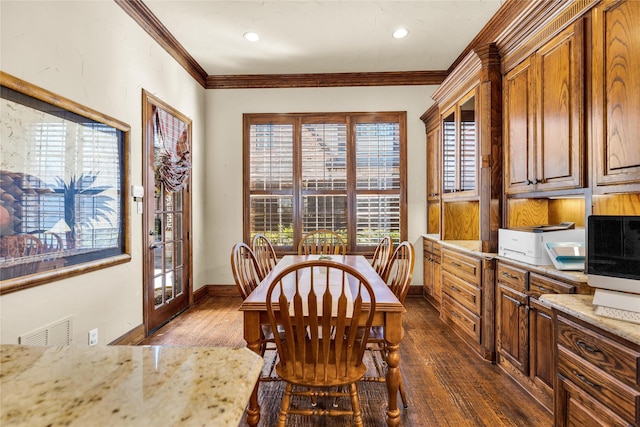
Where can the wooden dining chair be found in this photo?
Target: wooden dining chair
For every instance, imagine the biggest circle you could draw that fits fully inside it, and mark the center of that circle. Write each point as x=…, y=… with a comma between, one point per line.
x=245, y=273
x=325, y=309
x=322, y=242
x=265, y=254
x=381, y=255
x=398, y=277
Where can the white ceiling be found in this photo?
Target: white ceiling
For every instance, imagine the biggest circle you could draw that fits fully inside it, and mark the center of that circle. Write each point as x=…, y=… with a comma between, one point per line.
x=323, y=36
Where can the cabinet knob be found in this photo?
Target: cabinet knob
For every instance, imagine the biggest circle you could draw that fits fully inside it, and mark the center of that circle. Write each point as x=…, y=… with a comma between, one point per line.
x=535, y=181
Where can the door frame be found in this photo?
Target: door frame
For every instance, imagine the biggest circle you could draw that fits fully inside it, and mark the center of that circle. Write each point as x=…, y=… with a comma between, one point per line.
x=148, y=102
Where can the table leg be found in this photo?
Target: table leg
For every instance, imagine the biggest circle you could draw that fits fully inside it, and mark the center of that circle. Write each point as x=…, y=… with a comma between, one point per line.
x=393, y=336
x=252, y=334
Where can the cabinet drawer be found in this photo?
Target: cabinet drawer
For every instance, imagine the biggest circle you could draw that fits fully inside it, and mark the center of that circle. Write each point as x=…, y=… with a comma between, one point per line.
x=427, y=246
x=539, y=285
x=467, y=322
x=622, y=399
x=603, y=353
x=513, y=277
x=462, y=266
x=464, y=293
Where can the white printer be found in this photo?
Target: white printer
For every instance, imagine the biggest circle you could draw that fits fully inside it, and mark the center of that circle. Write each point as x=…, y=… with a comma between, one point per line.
x=527, y=244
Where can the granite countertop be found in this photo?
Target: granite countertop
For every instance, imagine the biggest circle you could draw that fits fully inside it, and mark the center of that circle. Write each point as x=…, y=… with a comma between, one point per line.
x=125, y=385
x=581, y=307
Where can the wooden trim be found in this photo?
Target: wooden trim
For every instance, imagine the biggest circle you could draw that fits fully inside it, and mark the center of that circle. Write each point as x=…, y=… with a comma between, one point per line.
x=509, y=13
x=542, y=22
x=220, y=291
x=133, y=337
x=199, y=294
x=152, y=25
x=460, y=82
x=273, y=81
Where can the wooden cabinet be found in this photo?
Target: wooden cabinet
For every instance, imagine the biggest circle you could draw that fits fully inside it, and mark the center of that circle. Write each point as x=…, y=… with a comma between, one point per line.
x=431, y=271
x=524, y=327
x=598, y=381
x=467, y=299
x=544, y=117
x=616, y=103
x=433, y=164
x=460, y=148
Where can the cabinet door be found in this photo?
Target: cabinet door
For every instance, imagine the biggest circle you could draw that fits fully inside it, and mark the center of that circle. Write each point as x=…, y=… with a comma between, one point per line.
x=428, y=273
x=559, y=111
x=433, y=164
x=542, y=344
x=449, y=151
x=519, y=128
x=437, y=280
x=616, y=85
x=513, y=327
x=468, y=145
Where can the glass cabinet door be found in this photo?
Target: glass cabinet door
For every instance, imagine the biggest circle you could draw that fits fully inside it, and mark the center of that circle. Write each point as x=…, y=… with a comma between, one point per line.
x=468, y=145
x=449, y=153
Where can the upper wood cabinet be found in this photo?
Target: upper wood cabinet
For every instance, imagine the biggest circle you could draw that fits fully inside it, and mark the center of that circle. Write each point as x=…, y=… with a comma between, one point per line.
x=460, y=148
x=433, y=163
x=616, y=95
x=544, y=117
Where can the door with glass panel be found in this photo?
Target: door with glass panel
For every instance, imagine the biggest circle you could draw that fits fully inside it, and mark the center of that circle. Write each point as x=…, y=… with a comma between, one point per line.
x=166, y=216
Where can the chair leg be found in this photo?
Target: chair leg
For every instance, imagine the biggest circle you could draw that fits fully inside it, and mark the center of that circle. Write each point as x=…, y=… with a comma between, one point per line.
x=355, y=403
x=403, y=397
x=284, y=408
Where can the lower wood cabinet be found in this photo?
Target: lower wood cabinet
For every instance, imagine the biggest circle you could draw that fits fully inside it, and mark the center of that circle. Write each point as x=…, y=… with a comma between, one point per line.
x=468, y=299
x=431, y=271
x=598, y=380
x=524, y=327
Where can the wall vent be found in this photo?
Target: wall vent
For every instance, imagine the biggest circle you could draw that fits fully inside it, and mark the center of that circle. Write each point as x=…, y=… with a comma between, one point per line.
x=57, y=333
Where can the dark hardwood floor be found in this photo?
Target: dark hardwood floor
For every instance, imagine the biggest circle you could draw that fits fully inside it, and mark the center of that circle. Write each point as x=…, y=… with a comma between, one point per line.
x=447, y=384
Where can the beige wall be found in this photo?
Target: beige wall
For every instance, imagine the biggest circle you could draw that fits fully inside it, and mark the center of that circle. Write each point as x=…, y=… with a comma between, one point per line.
x=93, y=53
x=223, y=174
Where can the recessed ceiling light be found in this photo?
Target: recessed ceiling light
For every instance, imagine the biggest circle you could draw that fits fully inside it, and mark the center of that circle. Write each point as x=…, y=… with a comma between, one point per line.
x=251, y=36
x=400, y=33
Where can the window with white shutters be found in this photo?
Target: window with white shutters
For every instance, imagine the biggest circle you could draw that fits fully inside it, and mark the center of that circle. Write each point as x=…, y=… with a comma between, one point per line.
x=338, y=171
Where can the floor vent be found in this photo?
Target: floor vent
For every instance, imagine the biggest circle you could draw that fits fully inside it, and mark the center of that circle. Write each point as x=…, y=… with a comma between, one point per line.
x=57, y=333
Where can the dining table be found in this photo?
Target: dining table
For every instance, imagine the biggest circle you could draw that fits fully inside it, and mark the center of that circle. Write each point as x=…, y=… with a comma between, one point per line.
x=388, y=314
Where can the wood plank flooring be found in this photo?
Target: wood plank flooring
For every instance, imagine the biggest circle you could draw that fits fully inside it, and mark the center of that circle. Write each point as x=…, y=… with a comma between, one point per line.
x=447, y=384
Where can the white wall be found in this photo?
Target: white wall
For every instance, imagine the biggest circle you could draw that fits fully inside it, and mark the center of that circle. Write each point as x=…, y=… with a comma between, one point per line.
x=93, y=53
x=223, y=175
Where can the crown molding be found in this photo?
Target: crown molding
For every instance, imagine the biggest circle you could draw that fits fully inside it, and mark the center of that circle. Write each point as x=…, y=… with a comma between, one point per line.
x=152, y=25
x=393, y=78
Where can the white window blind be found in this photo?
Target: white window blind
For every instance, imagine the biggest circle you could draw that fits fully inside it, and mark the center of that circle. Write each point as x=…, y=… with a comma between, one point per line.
x=341, y=173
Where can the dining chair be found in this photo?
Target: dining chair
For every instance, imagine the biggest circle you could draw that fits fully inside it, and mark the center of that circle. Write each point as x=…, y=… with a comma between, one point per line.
x=325, y=310
x=323, y=242
x=398, y=277
x=245, y=273
x=382, y=255
x=265, y=254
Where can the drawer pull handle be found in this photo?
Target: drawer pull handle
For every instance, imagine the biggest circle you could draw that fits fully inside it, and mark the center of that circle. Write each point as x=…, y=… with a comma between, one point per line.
x=517, y=303
x=453, y=288
x=543, y=289
x=455, y=264
x=586, y=347
x=510, y=276
x=587, y=381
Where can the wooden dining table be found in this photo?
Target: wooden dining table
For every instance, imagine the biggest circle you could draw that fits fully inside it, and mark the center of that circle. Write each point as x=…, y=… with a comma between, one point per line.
x=388, y=313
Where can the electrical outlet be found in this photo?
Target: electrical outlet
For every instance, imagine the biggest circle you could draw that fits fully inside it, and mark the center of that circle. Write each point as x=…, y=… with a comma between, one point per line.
x=93, y=336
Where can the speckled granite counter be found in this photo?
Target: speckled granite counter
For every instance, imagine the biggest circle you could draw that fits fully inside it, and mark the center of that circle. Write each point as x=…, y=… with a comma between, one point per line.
x=125, y=385
x=581, y=307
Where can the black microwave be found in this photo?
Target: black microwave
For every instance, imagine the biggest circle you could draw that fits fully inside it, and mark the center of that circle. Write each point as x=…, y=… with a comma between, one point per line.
x=613, y=252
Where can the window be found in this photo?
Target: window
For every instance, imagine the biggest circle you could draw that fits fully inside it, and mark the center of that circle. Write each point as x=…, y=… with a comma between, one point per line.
x=63, y=208
x=339, y=171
